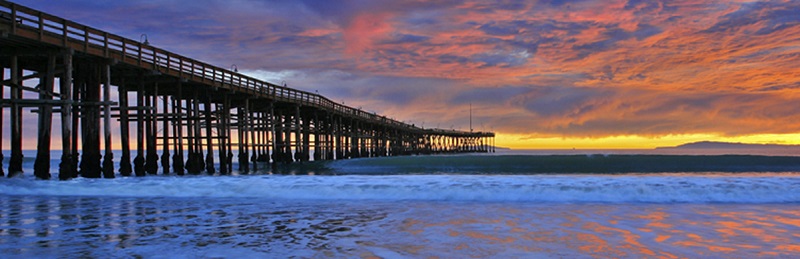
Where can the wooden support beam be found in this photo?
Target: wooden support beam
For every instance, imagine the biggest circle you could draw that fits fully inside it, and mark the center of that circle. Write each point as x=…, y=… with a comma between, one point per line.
x=364, y=139
x=2, y=90
x=77, y=91
x=317, y=141
x=241, y=157
x=261, y=140
x=125, y=168
x=221, y=133
x=330, y=153
x=298, y=138
x=265, y=130
x=36, y=75
x=209, y=144
x=354, y=150
x=273, y=121
x=338, y=137
x=244, y=114
x=36, y=89
x=15, y=163
x=197, y=158
x=346, y=135
x=228, y=125
x=177, y=158
x=278, y=150
x=287, y=143
x=41, y=166
x=108, y=158
x=151, y=131
x=90, y=122
x=138, y=162
x=260, y=129
x=190, y=139
x=253, y=134
x=165, y=132
x=306, y=139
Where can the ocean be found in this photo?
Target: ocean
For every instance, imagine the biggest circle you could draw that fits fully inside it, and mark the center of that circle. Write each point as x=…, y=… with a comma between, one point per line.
x=510, y=204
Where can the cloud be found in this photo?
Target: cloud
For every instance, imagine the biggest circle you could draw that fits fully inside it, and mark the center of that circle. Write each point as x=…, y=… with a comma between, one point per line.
x=612, y=35
x=771, y=15
x=406, y=38
x=503, y=58
x=492, y=28
x=488, y=95
x=586, y=68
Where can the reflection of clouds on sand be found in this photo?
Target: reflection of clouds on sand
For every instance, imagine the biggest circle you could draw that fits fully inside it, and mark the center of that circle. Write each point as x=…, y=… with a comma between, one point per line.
x=98, y=227
x=645, y=230
x=255, y=227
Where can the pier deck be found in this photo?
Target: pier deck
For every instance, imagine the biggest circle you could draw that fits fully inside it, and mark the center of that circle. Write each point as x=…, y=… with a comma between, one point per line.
x=196, y=115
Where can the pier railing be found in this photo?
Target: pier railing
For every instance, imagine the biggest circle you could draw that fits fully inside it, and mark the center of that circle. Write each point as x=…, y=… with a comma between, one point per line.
x=47, y=28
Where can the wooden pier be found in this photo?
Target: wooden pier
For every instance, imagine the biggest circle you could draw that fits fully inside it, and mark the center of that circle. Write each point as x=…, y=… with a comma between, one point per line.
x=200, y=118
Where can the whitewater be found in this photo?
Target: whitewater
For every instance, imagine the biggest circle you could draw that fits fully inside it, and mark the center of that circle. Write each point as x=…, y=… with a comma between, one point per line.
x=638, y=188
x=507, y=205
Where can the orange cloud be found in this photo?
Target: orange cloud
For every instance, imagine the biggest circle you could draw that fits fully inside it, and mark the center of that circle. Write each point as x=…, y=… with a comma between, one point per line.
x=554, y=69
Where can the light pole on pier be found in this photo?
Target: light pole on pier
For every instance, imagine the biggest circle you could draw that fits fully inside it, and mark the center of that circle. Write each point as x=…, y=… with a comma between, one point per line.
x=146, y=42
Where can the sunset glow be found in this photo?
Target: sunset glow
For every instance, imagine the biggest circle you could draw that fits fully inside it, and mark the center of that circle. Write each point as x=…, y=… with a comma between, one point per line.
x=542, y=74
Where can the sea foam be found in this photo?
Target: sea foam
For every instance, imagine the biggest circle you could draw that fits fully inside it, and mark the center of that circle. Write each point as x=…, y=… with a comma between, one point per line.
x=648, y=188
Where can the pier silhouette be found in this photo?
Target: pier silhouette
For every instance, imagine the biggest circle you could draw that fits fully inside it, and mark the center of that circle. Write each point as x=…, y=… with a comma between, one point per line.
x=178, y=106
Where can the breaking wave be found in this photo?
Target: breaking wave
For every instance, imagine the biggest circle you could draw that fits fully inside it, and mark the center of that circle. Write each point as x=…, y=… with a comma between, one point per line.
x=645, y=188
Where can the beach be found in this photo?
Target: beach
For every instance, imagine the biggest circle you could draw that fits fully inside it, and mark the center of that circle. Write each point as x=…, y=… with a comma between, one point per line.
x=348, y=209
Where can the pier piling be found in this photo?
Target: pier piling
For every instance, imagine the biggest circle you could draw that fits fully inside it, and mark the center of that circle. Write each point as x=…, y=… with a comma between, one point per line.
x=125, y=161
x=2, y=94
x=166, y=117
x=15, y=162
x=41, y=166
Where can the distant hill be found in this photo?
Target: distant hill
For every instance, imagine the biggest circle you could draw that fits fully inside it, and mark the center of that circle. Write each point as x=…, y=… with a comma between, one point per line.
x=727, y=145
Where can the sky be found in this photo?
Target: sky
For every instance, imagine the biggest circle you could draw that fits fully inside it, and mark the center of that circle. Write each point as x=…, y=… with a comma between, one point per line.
x=541, y=74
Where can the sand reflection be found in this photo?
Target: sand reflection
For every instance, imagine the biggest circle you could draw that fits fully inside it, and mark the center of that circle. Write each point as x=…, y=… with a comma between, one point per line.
x=92, y=227
x=599, y=230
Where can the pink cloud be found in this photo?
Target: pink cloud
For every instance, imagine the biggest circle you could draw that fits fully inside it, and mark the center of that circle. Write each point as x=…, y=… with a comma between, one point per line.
x=363, y=30
x=561, y=68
